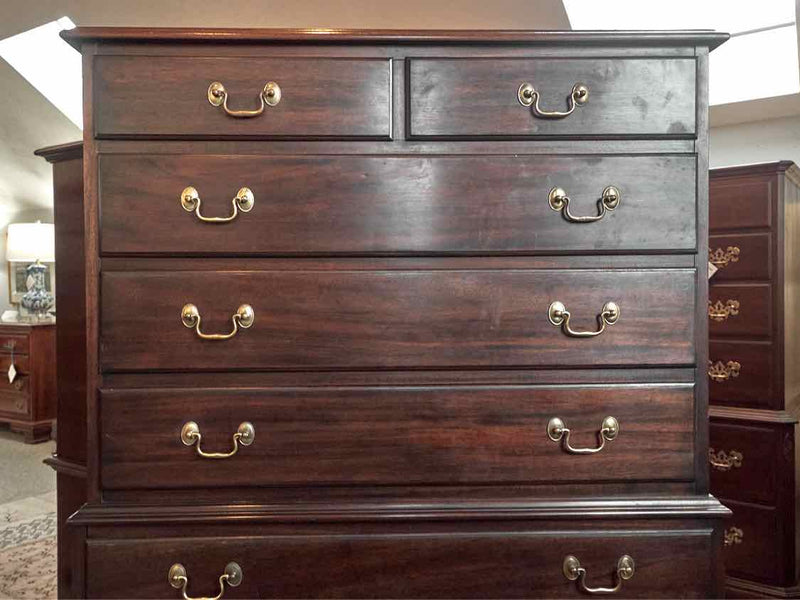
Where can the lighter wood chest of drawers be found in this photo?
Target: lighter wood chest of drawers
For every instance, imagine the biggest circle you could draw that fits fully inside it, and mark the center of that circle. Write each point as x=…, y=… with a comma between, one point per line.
x=755, y=387
x=390, y=314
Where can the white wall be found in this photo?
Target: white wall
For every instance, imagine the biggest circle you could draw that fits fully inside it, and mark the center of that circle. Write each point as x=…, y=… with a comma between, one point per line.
x=761, y=141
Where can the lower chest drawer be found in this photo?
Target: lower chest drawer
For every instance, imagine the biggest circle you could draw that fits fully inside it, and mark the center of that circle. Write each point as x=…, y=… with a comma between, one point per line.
x=398, y=319
x=414, y=562
x=396, y=436
x=758, y=544
x=744, y=459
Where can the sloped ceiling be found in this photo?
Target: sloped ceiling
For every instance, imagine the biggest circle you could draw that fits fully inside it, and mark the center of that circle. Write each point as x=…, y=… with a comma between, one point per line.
x=28, y=121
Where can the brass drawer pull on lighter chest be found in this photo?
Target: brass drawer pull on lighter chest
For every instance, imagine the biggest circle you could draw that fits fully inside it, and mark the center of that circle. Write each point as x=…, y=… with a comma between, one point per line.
x=724, y=461
x=720, y=312
x=178, y=579
x=244, y=436
x=559, y=316
x=243, y=317
x=559, y=202
x=243, y=201
x=573, y=570
x=528, y=96
x=720, y=258
x=720, y=371
x=269, y=96
x=558, y=432
x=734, y=535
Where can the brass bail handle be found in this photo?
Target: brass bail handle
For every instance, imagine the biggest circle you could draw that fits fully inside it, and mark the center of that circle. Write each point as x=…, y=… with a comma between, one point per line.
x=244, y=200
x=560, y=316
x=191, y=436
x=573, y=570
x=244, y=317
x=558, y=432
x=178, y=579
x=529, y=96
x=269, y=96
x=725, y=461
x=559, y=202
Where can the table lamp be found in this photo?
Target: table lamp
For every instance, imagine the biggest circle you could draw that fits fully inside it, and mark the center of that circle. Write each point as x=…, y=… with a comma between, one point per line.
x=33, y=243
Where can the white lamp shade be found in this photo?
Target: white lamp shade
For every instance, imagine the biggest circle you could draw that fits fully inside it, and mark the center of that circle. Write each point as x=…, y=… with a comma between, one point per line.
x=29, y=242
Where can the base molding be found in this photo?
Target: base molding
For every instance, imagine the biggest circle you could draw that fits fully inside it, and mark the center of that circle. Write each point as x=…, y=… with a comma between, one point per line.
x=630, y=508
x=742, y=588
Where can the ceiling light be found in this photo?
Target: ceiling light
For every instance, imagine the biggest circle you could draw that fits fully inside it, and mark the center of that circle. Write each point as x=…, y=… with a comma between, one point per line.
x=49, y=64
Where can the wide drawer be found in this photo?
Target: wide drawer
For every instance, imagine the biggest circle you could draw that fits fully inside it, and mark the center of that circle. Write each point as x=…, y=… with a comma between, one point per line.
x=743, y=256
x=15, y=396
x=744, y=374
x=374, y=204
x=479, y=97
x=18, y=344
x=396, y=319
x=168, y=96
x=740, y=309
x=450, y=561
x=741, y=202
x=744, y=458
x=755, y=538
x=397, y=436
x=21, y=364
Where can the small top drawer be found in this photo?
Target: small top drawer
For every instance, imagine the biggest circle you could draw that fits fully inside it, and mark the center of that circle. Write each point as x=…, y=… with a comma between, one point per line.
x=170, y=96
x=484, y=97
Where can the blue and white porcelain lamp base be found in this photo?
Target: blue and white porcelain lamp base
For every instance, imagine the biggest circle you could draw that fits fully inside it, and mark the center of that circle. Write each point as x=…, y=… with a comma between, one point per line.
x=37, y=300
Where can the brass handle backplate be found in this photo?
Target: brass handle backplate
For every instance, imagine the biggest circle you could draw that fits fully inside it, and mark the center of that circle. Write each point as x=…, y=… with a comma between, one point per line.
x=528, y=96
x=244, y=200
x=244, y=436
x=178, y=579
x=269, y=96
x=559, y=202
x=243, y=317
x=558, y=432
x=732, y=536
x=559, y=316
x=725, y=461
x=720, y=312
x=720, y=371
x=573, y=570
x=720, y=258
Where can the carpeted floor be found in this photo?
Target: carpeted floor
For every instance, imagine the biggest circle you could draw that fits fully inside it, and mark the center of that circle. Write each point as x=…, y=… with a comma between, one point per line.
x=22, y=473
x=27, y=520
x=28, y=548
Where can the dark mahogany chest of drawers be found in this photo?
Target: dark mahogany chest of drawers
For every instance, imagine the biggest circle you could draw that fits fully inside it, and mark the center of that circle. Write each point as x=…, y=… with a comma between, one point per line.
x=396, y=314
x=754, y=323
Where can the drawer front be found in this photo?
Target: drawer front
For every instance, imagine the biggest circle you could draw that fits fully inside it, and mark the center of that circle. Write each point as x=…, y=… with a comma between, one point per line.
x=396, y=436
x=167, y=96
x=419, y=563
x=743, y=256
x=395, y=319
x=743, y=459
x=15, y=396
x=372, y=204
x=17, y=343
x=21, y=364
x=479, y=97
x=758, y=553
x=744, y=309
x=754, y=385
x=740, y=202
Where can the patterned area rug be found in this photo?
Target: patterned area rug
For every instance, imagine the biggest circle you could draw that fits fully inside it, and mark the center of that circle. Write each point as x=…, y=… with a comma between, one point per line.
x=28, y=548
